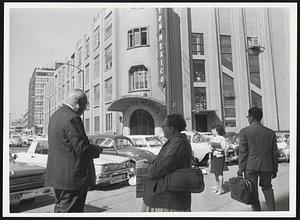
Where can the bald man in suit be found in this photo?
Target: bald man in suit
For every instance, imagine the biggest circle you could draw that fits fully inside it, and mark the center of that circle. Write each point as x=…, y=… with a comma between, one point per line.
x=70, y=166
x=258, y=157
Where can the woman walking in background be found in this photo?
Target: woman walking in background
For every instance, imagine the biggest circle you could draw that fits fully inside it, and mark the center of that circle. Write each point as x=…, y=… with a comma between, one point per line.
x=218, y=145
x=176, y=153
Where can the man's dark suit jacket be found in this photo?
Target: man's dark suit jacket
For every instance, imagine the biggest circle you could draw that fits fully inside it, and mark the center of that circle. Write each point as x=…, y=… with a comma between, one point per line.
x=70, y=163
x=258, y=149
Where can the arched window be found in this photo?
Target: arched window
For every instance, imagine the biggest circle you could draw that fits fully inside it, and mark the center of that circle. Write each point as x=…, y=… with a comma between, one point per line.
x=138, y=78
x=141, y=123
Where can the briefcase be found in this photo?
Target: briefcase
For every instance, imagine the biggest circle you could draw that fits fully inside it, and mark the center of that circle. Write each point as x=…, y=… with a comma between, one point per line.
x=241, y=190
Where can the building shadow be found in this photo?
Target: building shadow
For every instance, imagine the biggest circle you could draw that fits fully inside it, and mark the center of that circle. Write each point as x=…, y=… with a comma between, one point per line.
x=90, y=208
x=32, y=204
x=111, y=187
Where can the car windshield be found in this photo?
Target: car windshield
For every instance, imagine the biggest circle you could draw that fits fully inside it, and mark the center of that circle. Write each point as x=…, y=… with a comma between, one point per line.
x=154, y=142
x=105, y=143
x=42, y=147
x=123, y=143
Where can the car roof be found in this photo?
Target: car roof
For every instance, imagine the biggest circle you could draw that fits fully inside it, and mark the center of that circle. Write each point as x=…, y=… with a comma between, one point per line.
x=112, y=136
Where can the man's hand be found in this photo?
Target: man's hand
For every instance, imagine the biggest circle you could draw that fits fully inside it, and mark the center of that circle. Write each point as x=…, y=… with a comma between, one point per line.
x=240, y=173
x=274, y=174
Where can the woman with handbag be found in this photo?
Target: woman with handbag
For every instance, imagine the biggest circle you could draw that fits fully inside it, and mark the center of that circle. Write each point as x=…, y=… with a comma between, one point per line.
x=217, y=144
x=175, y=154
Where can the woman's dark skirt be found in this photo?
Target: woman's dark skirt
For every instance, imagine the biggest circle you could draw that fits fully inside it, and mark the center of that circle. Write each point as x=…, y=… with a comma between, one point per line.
x=218, y=165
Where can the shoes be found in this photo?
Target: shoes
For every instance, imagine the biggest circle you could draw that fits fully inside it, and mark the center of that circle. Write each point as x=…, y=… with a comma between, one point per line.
x=219, y=193
x=214, y=191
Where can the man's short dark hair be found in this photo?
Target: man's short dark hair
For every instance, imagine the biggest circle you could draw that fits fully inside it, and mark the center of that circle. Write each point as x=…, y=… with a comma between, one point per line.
x=256, y=113
x=176, y=121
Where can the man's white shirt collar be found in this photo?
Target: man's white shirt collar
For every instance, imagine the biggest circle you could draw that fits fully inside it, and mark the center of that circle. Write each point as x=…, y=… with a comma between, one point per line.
x=69, y=105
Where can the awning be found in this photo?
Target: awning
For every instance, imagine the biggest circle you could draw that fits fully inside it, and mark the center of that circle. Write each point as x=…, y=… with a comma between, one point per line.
x=124, y=102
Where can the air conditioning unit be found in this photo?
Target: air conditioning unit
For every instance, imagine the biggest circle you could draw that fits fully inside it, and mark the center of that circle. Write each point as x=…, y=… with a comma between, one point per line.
x=253, y=43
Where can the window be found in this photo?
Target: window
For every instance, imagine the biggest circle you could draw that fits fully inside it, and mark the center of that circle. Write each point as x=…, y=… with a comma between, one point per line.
x=197, y=44
x=256, y=99
x=87, y=74
x=62, y=92
x=229, y=101
x=108, y=30
x=87, y=125
x=108, y=90
x=79, y=79
x=87, y=48
x=199, y=70
x=97, y=124
x=87, y=93
x=138, y=78
x=97, y=95
x=96, y=37
x=73, y=83
x=96, y=66
x=254, y=68
x=68, y=88
x=79, y=56
x=137, y=37
x=226, y=53
x=108, y=122
x=200, y=98
x=108, y=57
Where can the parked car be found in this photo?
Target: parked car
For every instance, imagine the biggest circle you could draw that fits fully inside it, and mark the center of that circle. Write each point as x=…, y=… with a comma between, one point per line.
x=147, y=142
x=109, y=169
x=199, y=146
x=122, y=146
x=26, y=181
x=283, y=152
x=15, y=141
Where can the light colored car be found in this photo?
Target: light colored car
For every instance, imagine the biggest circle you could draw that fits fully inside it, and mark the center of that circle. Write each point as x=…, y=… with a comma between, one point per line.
x=199, y=146
x=109, y=169
x=26, y=182
x=15, y=141
x=147, y=142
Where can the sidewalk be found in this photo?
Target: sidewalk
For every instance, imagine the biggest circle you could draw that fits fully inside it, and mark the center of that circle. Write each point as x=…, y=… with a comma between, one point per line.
x=122, y=198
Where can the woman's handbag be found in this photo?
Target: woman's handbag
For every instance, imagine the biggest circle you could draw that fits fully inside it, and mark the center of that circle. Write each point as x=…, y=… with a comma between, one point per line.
x=183, y=180
x=241, y=190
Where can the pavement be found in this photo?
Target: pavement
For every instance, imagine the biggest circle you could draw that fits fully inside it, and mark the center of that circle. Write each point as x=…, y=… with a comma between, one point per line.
x=122, y=198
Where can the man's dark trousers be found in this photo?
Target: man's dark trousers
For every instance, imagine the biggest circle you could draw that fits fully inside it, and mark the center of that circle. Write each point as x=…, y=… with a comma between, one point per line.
x=70, y=200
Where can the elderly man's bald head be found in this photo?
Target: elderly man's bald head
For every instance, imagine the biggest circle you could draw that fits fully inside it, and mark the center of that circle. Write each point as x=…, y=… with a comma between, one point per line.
x=78, y=100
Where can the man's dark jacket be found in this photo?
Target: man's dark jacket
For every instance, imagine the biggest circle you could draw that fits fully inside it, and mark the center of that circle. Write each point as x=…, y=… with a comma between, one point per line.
x=258, y=149
x=70, y=163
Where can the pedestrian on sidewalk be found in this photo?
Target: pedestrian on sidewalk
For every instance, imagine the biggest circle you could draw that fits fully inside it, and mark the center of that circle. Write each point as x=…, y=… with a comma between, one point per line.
x=258, y=157
x=176, y=153
x=217, y=144
x=70, y=166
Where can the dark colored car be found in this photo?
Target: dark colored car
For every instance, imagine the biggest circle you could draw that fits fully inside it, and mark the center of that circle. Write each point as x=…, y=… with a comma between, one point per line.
x=121, y=146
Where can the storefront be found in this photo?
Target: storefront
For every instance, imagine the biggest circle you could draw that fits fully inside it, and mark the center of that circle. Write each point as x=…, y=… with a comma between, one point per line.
x=142, y=115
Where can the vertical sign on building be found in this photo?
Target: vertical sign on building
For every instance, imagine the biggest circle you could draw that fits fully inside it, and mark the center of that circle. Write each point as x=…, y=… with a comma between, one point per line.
x=161, y=36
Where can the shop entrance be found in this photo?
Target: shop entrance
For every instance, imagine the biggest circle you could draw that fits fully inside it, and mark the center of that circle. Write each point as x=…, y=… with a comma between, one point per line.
x=141, y=123
x=201, y=123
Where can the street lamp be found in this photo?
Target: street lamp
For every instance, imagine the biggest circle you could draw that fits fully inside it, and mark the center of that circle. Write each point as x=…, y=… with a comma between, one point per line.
x=80, y=70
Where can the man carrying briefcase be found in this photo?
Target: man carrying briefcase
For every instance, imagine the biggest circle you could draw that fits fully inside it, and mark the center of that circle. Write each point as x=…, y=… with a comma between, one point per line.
x=258, y=157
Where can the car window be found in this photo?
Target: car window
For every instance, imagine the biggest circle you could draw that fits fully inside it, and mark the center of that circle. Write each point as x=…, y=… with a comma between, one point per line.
x=123, y=143
x=99, y=141
x=42, y=147
x=154, y=142
x=108, y=144
x=139, y=142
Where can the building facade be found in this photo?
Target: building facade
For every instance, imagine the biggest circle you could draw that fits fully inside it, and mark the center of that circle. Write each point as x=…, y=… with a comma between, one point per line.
x=217, y=61
x=38, y=80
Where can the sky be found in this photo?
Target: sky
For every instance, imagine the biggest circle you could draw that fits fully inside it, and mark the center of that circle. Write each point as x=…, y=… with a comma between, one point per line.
x=37, y=38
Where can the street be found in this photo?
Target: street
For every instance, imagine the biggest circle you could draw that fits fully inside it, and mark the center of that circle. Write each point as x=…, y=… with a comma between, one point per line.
x=121, y=197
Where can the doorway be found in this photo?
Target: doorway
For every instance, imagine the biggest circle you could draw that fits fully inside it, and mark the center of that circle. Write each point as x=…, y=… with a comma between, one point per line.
x=201, y=123
x=141, y=123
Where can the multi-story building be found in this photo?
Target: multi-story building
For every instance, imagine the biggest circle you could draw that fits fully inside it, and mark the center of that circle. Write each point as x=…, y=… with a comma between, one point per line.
x=25, y=120
x=38, y=80
x=211, y=64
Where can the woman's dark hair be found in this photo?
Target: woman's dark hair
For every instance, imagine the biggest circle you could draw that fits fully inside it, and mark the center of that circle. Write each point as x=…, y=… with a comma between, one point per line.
x=176, y=121
x=220, y=129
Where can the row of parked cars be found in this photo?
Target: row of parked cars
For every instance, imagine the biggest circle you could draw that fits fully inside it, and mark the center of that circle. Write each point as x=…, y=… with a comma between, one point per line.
x=17, y=140
x=116, y=164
